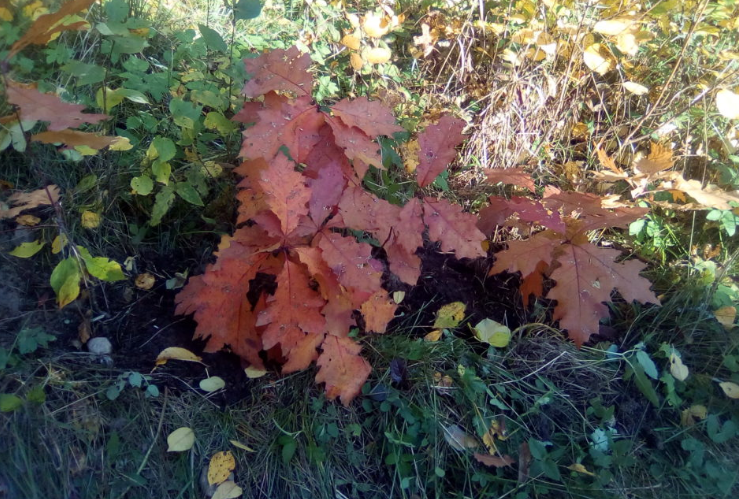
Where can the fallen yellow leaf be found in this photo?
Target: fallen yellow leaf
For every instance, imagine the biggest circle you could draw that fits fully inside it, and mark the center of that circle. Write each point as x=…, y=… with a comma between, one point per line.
x=90, y=219
x=679, y=370
x=730, y=389
x=434, y=335
x=176, y=353
x=726, y=316
x=450, y=315
x=180, y=440
x=220, y=467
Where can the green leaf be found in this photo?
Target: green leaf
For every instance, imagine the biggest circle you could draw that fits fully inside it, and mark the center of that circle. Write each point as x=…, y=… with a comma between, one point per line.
x=247, y=9
x=65, y=281
x=27, y=250
x=647, y=363
x=208, y=98
x=103, y=268
x=10, y=402
x=187, y=192
x=212, y=39
x=161, y=148
x=163, y=202
x=30, y=339
x=217, y=121
x=643, y=384
x=86, y=74
x=142, y=185
x=37, y=395
x=162, y=171
x=184, y=114
x=493, y=333
x=289, y=446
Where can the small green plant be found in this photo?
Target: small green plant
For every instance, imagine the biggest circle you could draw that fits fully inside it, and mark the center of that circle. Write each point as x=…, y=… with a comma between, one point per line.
x=134, y=380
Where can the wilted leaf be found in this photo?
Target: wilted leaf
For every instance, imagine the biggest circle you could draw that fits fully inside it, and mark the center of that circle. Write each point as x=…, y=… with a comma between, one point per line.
x=613, y=27
x=351, y=41
x=227, y=490
x=458, y=439
x=692, y=414
x=375, y=26
x=27, y=250
x=493, y=333
x=730, y=389
x=176, y=353
x=450, y=315
x=727, y=103
x=180, y=440
x=254, y=372
x=726, y=316
x=356, y=61
x=145, y=281
x=659, y=159
x=212, y=384
x=220, y=467
x=22, y=201
x=494, y=461
x=580, y=469
x=598, y=59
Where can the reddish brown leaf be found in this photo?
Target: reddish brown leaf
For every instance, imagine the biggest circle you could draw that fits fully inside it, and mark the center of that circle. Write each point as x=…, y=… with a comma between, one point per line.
x=342, y=369
x=357, y=146
x=500, y=209
x=75, y=138
x=494, y=461
x=249, y=114
x=34, y=105
x=378, y=311
x=285, y=193
x=278, y=69
x=403, y=263
x=46, y=26
x=409, y=228
x=326, y=153
x=533, y=284
x=438, y=143
x=524, y=256
x=294, y=318
x=361, y=210
x=510, y=176
x=585, y=277
x=457, y=231
x=351, y=262
x=326, y=192
x=372, y=117
x=250, y=196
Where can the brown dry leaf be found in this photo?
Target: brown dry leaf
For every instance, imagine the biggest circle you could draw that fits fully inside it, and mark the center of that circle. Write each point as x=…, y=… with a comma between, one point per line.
x=524, y=461
x=711, y=196
x=409, y=152
x=220, y=467
x=726, y=316
x=693, y=414
x=22, y=201
x=427, y=40
x=495, y=461
x=434, y=335
x=176, y=353
x=145, y=281
x=609, y=162
x=84, y=330
x=659, y=159
x=28, y=220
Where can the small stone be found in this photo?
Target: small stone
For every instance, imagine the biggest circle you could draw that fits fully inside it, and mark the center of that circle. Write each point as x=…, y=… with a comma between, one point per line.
x=99, y=346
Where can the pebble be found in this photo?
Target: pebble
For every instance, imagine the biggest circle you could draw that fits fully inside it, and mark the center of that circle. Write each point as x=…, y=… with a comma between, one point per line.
x=99, y=346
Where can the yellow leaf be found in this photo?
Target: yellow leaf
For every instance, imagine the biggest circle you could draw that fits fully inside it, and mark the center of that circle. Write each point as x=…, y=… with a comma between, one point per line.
x=6, y=14
x=727, y=103
x=493, y=333
x=433, y=335
x=212, y=384
x=730, y=389
x=253, y=372
x=120, y=144
x=580, y=469
x=356, y=61
x=375, y=26
x=176, y=353
x=145, y=281
x=659, y=159
x=90, y=220
x=65, y=281
x=27, y=250
x=351, y=41
x=726, y=316
x=693, y=413
x=458, y=439
x=378, y=55
x=635, y=88
x=241, y=446
x=221, y=465
x=398, y=296
x=59, y=243
x=180, y=440
x=597, y=58
x=28, y=220
x=227, y=490
x=678, y=370
x=450, y=315
x=613, y=27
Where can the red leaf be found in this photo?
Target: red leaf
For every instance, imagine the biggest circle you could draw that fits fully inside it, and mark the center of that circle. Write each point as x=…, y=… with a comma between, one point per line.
x=294, y=318
x=524, y=256
x=34, y=105
x=351, y=262
x=285, y=193
x=361, y=210
x=278, y=69
x=438, y=143
x=292, y=124
x=342, y=369
x=357, y=146
x=326, y=153
x=533, y=284
x=510, y=176
x=409, y=229
x=585, y=277
x=326, y=192
x=456, y=230
x=378, y=311
x=372, y=117
x=404, y=264
x=500, y=209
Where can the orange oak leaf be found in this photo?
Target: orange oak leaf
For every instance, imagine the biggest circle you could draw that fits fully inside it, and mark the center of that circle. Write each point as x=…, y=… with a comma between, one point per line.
x=33, y=105
x=21, y=201
x=293, y=318
x=285, y=193
x=378, y=311
x=585, y=277
x=341, y=368
x=326, y=192
x=358, y=147
x=438, y=143
x=511, y=176
x=250, y=196
x=457, y=231
x=76, y=138
x=403, y=263
x=494, y=461
x=361, y=210
x=372, y=117
x=524, y=256
x=351, y=262
x=285, y=70
x=499, y=210
x=45, y=27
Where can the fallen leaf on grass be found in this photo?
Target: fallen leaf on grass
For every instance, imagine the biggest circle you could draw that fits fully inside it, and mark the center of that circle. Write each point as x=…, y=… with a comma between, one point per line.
x=253, y=372
x=220, y=467
x=22, y=201
x=145, y=281
x=27, y=250
x=730, y=389
x=227, y=490
x=580, y=469
x=635, y=88
x=450, y=315
x=692, y=414
x=458, y=439
x=726, y=316
x=212, y=384
x=241, y=446
x=59, y=243
x=678, y=370
x=495, y=461
x=28, y=220
x=176, y=353
x=434, y=335
x=493, y=333
x=180, y=440
x=90, y=220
